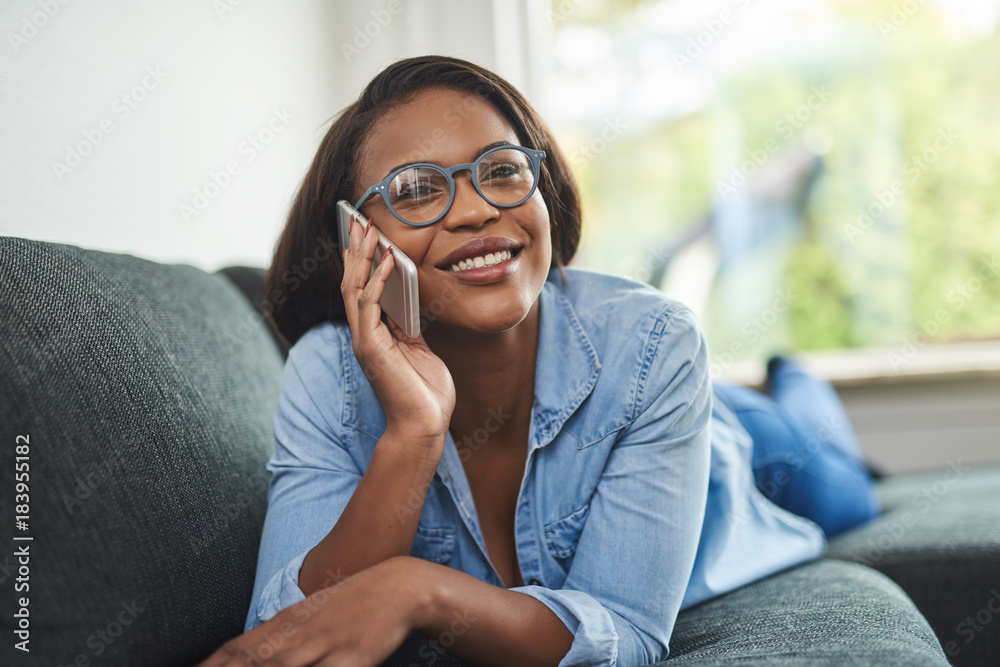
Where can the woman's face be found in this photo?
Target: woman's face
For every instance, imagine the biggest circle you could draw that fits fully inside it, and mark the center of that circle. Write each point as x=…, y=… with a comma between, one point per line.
x=448, y=127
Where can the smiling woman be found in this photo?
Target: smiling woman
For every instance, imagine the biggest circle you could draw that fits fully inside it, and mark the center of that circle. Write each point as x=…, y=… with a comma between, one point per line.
x=543, y=466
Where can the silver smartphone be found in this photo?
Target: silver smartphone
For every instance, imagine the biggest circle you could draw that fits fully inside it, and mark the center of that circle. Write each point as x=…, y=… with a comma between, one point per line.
x=400, y=298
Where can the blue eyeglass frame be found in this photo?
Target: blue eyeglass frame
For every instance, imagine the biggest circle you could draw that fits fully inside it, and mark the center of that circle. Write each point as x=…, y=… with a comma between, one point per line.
x=382, y=187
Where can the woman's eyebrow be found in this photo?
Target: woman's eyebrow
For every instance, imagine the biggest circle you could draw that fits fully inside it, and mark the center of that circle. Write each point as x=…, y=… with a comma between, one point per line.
x=478, y=152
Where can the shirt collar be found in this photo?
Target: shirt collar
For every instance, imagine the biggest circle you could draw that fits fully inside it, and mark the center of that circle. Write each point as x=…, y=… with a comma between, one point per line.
x=567, y=366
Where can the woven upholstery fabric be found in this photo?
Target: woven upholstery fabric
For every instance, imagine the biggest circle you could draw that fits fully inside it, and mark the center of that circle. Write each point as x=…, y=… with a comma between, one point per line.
x=939, y=538
x=250, y=281
x=825, y=612
x=150, y=423
x=419, y=650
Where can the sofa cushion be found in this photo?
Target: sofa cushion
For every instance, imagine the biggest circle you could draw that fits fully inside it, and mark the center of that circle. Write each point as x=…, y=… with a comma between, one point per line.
x=825, y=612
x=150, y=424
x=250, y=281
x=939, y=538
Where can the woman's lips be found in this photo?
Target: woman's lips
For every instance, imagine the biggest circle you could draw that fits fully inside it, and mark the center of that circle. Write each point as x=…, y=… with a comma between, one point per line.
x=484, y=275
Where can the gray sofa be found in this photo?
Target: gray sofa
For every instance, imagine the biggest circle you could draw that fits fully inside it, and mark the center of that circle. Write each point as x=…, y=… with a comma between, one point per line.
x=146, y=391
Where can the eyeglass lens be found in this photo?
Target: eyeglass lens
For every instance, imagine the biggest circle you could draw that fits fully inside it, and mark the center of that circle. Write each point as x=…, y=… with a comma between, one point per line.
x=420, y=194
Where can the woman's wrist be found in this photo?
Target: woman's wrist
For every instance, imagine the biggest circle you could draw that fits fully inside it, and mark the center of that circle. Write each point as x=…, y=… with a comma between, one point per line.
x=413, y=442
x=420, y=596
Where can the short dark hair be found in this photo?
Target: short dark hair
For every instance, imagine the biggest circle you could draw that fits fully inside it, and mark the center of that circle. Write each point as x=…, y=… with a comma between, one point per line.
x=300, y=293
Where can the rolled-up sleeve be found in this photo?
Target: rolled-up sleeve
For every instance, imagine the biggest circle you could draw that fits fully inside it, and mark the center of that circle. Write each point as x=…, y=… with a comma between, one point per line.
x=637, y=548
x=313, y=478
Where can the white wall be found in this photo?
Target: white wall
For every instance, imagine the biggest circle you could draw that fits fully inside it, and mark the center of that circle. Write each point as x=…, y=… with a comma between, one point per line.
x=158, y=97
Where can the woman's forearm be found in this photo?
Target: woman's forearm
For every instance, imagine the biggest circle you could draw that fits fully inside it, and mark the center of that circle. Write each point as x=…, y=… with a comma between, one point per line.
x=483, y=624
x=379, y=521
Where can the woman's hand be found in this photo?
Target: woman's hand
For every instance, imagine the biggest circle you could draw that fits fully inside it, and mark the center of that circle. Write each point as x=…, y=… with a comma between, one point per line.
x=359, y=621
x=412, y=384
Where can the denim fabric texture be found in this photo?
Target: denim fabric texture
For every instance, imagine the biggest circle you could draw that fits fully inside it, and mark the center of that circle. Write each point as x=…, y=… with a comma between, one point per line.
x=638, y=498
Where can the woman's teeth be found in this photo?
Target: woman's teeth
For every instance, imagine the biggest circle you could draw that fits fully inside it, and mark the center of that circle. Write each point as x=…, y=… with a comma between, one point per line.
x=486, y=260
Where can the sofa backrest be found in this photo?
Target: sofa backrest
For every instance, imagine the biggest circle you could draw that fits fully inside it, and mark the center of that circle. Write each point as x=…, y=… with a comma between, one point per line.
x=145, y=393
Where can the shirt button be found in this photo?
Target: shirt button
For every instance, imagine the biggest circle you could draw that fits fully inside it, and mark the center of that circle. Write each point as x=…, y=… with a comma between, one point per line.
x=534, y=582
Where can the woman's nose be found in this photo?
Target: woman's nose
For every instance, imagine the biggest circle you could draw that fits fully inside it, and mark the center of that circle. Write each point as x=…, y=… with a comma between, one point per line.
x=469, y=206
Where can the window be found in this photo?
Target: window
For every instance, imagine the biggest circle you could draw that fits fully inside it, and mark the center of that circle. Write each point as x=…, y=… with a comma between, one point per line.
x=805, y=174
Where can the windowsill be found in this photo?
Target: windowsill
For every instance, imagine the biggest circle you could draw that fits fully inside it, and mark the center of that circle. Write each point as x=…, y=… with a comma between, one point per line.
x=887, y=365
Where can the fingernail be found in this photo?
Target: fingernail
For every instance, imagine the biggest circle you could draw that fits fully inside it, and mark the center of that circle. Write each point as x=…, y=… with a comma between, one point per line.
x=368, y=227
x=386, y=253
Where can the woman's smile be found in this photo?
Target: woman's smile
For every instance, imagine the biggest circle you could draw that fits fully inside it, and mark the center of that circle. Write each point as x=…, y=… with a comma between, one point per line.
x=484, y=274
x=484, y=261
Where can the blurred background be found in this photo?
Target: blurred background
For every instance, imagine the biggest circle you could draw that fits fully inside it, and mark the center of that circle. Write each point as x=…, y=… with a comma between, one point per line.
x=814, y=177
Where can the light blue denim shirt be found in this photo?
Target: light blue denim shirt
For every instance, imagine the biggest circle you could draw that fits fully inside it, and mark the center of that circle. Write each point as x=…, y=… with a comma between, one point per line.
x=637, y=500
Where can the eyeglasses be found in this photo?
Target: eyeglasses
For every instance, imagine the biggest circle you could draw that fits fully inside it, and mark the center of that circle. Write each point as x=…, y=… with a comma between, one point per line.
x=421, y=194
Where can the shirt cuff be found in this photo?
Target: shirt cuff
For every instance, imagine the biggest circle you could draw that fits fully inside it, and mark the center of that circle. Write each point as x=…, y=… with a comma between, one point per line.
x=595, y=640
x=281, y=591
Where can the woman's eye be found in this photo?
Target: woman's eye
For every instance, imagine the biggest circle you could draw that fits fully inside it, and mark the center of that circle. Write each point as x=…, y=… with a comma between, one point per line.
x=503, y=171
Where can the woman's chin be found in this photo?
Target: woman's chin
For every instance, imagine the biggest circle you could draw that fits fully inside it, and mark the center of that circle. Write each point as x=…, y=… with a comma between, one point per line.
x=484, y=320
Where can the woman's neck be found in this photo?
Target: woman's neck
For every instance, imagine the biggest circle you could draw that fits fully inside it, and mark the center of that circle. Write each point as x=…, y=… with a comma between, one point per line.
x=494, y=376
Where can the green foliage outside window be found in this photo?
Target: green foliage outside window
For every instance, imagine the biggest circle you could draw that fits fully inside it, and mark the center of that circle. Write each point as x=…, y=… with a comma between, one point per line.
x=901, y=235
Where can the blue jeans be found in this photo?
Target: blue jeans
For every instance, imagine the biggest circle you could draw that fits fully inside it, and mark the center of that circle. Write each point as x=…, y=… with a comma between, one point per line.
x=805, y=456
